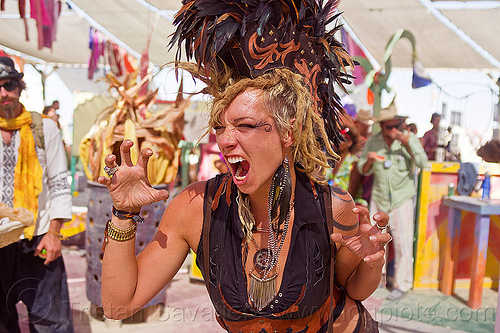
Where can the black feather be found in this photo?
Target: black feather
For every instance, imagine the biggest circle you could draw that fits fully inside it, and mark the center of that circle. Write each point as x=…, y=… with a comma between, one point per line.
x=213, y=29
x=281, y=193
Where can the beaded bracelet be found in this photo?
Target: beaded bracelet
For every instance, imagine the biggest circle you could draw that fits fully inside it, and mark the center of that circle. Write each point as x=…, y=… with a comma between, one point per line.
x=127, y=215
x=120, y=235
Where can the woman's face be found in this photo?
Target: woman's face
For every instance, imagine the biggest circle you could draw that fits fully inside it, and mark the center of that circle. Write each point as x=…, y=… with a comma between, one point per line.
x=249, y=141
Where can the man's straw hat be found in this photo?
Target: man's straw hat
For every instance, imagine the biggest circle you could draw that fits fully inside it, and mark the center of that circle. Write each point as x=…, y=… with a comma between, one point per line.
x=389, y=113
x=364, y=116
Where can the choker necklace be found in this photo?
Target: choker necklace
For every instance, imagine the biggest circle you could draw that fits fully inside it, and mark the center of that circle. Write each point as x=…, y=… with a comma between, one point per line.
x=262, y=285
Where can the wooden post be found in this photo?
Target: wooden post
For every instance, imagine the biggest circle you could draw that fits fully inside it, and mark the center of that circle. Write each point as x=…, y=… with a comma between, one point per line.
x=450, y=260
x=478, y=264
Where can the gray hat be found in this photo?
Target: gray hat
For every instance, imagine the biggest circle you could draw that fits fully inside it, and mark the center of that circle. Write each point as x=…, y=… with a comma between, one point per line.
x=7, y=69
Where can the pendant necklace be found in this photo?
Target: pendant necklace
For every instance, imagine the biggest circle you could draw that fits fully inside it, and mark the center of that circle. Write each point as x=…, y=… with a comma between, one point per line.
x=262, y=284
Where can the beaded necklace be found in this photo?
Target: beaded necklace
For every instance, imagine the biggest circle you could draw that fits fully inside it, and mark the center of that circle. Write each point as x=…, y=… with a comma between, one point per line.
x=262, y=285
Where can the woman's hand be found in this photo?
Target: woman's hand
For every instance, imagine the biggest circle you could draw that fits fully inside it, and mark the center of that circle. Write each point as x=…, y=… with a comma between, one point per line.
x=129, y=186
x=370, y=240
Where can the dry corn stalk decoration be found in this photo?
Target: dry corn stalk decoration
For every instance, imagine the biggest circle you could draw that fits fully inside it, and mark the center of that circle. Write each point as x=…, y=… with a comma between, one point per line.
x=129, y=118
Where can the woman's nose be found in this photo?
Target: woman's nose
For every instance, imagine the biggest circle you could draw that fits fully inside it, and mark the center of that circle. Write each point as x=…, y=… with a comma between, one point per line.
x=226, y=139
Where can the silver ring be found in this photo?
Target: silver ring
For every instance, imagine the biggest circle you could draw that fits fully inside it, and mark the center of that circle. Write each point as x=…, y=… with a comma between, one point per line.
x=387, y=226
x=110, y=171
x=385, y=243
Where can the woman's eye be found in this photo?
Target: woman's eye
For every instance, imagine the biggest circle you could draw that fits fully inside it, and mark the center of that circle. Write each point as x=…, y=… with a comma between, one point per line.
x=218, y=127
x=247, y=126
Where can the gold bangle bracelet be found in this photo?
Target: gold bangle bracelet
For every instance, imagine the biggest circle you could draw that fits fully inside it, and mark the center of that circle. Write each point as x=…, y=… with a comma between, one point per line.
x=120, y=235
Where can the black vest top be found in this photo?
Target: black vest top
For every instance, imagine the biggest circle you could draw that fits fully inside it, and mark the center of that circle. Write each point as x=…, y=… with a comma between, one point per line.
x=306, y=276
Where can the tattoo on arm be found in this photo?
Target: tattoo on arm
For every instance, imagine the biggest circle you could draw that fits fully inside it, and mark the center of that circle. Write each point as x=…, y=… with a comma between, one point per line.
x=345, y=227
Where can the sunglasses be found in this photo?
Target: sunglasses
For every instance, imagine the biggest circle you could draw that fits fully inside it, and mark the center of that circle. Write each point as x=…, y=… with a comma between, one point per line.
x=9, y=85
x=390, y=127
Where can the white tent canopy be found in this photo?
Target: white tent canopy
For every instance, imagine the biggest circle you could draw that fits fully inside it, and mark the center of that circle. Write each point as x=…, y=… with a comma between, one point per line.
x=125, y=22
x=463, y=38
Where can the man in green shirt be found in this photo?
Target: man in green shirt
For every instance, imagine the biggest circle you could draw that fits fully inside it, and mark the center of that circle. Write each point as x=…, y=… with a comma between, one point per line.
x=391, y=156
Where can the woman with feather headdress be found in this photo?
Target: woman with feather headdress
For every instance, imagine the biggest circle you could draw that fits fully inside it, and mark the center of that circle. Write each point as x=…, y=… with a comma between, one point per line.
x=279, y=250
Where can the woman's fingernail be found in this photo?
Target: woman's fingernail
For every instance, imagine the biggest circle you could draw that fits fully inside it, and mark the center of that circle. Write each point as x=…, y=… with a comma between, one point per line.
x=373, y=238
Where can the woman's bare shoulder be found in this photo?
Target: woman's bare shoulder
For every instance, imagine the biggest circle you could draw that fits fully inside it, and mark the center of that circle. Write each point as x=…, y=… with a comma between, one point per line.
x=192, y=194
x=184, y=214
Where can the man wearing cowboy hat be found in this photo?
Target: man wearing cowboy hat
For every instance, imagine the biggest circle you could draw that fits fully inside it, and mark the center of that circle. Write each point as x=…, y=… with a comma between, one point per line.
x=33, y=176
x=364, y=122
x=390, y=156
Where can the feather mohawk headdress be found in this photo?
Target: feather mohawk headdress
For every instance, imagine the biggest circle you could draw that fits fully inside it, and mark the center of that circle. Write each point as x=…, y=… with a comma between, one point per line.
x=254, y=36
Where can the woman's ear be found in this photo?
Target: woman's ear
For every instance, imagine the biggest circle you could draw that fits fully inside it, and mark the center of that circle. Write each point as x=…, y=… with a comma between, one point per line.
x=289, y=138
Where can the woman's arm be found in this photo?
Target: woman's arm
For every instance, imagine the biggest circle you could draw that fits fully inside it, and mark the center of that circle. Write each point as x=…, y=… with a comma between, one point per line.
x=360, y=255
x=128, y=283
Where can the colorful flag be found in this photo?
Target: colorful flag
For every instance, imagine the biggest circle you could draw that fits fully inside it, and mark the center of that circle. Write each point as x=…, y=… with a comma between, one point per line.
x=420, y=76
x=354, y=50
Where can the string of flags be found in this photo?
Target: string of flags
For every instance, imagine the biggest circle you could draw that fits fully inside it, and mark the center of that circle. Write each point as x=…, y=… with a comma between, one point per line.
x=119, y=60
x=45, y=13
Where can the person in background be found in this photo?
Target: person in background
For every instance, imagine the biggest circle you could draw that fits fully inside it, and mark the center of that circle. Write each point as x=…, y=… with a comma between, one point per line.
x=55, y=105
x=51, y=112
x=412, y=128
x=35, y=178
x=363, y=122
x=390, y=156
x=360, y=187
x=430, y=139
x=350, y=147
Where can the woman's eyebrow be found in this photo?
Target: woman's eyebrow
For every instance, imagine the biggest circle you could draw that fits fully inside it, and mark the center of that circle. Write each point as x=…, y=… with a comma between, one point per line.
x=239, y=119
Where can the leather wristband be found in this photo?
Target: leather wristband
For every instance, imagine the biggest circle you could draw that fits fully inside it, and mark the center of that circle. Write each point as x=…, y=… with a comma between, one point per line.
x=127, y=215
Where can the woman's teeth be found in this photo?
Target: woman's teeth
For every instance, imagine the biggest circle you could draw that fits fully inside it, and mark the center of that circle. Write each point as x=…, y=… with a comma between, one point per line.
x=236, y=159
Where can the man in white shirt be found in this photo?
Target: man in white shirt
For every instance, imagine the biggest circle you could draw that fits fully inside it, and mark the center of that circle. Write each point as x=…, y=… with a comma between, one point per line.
x=33, y=177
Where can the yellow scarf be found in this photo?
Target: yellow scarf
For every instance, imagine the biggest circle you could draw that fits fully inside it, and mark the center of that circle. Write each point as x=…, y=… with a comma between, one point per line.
x=28, y=171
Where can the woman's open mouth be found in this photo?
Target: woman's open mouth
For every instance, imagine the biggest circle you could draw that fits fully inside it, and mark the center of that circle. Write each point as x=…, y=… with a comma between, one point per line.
x=239, y=167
